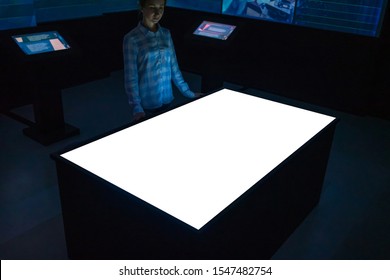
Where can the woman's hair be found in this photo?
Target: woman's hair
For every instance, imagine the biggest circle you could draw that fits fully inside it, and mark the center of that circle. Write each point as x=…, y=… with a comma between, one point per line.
x=142, y=3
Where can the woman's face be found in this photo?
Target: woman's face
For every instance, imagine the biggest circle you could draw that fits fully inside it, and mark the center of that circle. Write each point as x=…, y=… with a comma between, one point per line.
x=153, y=11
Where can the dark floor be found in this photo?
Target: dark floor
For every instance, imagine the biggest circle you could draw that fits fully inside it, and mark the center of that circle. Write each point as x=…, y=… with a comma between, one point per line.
x=352, y=220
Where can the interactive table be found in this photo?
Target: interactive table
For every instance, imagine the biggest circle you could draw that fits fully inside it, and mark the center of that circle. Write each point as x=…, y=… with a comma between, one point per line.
x=227, y=176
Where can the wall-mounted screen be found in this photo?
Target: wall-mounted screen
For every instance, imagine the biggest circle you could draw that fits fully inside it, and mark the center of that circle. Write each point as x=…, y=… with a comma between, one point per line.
x=275, y=10
x=213, y=6
x=16, y=14
x=214, y=30
x=41, y=42
x=361, y=17
x=351, y=16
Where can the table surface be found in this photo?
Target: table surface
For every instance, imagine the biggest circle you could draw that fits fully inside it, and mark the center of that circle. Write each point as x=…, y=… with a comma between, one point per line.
x=194, y=161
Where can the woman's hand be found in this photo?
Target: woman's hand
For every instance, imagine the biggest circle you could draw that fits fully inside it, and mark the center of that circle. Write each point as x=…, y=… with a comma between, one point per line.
x=138, y=116
x=198, y=94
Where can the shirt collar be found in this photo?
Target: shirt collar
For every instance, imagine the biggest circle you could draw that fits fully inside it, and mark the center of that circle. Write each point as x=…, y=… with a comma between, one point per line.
x=146, y=31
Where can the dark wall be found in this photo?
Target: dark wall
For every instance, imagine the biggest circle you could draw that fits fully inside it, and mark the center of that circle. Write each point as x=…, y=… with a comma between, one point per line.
x=342, y=71
x=380, y=104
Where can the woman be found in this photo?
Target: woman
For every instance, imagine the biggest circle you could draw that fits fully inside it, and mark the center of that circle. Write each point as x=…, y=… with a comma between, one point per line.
x=150, y=63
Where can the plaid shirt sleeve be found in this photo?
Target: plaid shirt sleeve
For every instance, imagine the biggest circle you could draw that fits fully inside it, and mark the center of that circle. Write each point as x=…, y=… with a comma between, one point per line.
x=130, y=53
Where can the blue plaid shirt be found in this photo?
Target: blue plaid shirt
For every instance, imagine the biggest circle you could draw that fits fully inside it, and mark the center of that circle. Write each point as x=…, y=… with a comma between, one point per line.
x=150, y=65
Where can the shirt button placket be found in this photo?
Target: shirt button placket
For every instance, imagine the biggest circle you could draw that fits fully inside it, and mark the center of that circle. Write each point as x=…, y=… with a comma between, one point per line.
x=158, y=57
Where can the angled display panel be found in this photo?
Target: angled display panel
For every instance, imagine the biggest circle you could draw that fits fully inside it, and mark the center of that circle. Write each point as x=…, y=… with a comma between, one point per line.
x=42, y=42
x=214, y=30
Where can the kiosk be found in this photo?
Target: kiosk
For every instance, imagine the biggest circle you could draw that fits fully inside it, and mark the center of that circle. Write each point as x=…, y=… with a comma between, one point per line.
x=228, y=176
x=41, y=60
x=209, y=39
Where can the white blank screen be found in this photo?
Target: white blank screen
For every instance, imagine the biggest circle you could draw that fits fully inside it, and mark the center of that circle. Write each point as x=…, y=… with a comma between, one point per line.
x=193, y=161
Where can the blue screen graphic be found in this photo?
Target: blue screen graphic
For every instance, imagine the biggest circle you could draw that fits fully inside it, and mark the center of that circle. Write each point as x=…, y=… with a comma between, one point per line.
x=275, y=10
x=352, y=16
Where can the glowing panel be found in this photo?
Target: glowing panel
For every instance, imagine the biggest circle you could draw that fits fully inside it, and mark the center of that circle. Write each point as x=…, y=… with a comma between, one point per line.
x=194, y=161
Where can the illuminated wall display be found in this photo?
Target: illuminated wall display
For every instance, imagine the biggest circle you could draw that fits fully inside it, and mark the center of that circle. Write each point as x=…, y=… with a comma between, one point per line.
x=363, y=17
x=275, y=10
x=194, y=161
x=352, y=16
